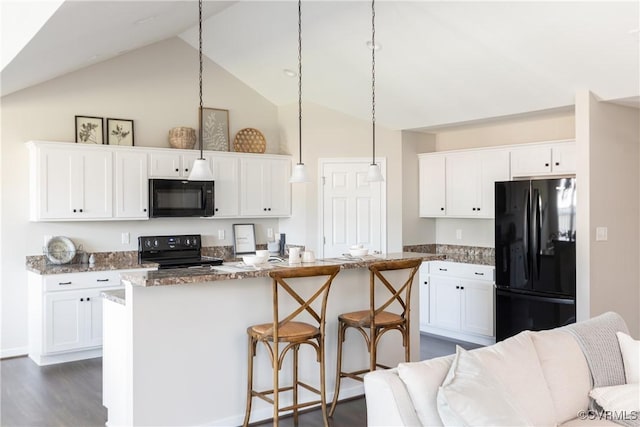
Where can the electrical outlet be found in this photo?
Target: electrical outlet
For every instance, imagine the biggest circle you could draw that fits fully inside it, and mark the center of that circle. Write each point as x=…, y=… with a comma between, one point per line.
x=269, y=233
x=220, y=234
x=125, y=238
x=601, y=234
x=459, y=234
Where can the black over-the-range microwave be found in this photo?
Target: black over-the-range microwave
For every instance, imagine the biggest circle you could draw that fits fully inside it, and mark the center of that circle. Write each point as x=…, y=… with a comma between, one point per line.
x=180, y=198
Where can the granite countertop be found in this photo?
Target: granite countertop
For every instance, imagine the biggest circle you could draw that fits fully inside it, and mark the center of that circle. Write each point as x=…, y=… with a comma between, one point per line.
x=470, y=259
x=116, y=296
x=232, y=271
x=105, y=261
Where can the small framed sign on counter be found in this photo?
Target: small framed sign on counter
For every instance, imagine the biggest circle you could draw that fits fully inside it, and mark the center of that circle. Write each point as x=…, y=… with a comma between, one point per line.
x=244, y=238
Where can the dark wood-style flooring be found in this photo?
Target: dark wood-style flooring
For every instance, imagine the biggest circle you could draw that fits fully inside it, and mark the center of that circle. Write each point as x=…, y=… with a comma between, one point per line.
x=70, y=394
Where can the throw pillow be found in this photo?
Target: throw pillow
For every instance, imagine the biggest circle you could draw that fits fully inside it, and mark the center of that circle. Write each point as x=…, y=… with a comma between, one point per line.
x=630, y=349
x=621, y=399
x=471, y=396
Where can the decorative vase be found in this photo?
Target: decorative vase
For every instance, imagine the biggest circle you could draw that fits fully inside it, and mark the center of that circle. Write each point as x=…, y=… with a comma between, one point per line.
x=182, y=137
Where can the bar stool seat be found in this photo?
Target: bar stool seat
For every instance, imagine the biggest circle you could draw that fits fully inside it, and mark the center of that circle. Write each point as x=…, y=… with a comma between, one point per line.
x=297, y=321
x=379, y=318
x=363, y=319
x=290, y=332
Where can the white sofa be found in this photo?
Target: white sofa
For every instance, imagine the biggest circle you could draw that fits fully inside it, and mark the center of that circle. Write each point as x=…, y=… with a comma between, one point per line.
x=545, y=374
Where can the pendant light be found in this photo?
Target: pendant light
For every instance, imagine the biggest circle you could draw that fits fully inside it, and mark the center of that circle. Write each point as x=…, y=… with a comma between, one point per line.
x=200, y=171
x=299, y=171
x=374, y=174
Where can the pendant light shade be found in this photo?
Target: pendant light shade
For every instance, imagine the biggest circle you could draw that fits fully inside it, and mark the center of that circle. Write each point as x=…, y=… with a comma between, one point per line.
x=201, y=170
x=374, y=174
x=299, y=174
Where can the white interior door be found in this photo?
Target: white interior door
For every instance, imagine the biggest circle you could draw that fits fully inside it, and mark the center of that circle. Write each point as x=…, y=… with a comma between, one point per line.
x=353, y=209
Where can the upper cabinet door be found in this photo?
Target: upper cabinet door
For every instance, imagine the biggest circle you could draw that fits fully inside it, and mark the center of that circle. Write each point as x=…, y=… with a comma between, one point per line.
x=164, y=165
x=432, y=185
x=264, y=187
x=226, y=185
x=71, y=184
x=530, y=161
x=494, y=167
x=462, y=184
x=132, y=185
x=563, y=158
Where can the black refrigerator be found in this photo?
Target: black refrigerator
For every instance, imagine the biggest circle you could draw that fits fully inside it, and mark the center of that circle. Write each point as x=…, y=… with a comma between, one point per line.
x=535, y=238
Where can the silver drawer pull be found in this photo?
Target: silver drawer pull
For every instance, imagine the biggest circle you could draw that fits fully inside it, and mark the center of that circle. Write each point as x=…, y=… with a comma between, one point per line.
x=64, y=283
x=442, y=269
x=479, y=274
x=106, y=280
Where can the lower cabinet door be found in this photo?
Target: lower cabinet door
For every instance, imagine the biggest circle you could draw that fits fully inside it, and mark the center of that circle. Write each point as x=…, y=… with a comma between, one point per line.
x=64, y=321
x=477, y=307
x=445, y=302
x=74, y=320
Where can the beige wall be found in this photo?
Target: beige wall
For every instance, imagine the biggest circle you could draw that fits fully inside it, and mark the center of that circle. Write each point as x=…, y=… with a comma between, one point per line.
x=157, y=87
x=415, y=230
x=553, y=126
x=609, y=141
x=329, y=134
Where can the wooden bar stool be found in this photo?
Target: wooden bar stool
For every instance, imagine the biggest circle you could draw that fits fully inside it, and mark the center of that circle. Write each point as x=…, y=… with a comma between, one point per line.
x=287, y=328
x=376, y=321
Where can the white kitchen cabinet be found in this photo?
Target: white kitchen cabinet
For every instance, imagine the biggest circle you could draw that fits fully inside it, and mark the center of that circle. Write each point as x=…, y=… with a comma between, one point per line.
x=432, y=185
x=264, y=186
x=131, y=195
x=544, y=159
x=172, y=164
x=71, y=184
x=226, y=185
x=65, y=314
x=461, y=301
x=423, y=281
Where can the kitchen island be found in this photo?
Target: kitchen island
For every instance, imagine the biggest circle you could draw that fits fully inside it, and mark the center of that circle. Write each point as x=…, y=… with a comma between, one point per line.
x=175, y=345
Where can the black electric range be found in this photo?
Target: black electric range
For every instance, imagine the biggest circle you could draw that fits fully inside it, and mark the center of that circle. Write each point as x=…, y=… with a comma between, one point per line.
x=181, y=251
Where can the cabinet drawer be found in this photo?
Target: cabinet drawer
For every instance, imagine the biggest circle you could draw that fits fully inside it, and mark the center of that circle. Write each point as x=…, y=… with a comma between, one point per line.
x=463, y=271
x=72, y=281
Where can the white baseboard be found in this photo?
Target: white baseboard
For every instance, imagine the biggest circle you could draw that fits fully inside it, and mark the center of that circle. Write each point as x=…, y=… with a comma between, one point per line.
x=267, y=413
x=14, y=352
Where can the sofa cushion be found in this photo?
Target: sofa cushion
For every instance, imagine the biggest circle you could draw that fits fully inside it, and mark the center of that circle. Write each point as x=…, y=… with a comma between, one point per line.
x=514, y=363
x=422, y=380
x=618, y=399
x=471, y=396
x=630, y=349
x=565, y=370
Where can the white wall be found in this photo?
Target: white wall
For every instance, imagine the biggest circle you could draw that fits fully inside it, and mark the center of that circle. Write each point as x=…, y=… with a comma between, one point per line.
x=329, y=134
x=537, y=127
x=415, y=230
x=157, y=87
x=609, y=144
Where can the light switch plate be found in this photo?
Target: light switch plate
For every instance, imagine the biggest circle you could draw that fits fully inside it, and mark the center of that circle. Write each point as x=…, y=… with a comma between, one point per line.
x=459, y=234
x=269, y=233
x=125, y=238
x=220, y=234
x=601, y=234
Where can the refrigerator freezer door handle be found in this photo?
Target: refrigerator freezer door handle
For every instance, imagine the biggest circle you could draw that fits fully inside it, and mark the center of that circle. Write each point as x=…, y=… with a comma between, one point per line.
x=525, y=236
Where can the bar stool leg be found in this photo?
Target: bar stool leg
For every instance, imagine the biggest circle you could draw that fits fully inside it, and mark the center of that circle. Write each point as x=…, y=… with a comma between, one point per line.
x=251, y=352
x=341, y=332
x=295, y=384
x=276, y=385
x=407, y=347
x=323, y=385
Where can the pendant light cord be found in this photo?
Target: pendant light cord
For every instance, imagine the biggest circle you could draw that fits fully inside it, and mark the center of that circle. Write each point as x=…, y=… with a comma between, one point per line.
x=373, y=77
x=300, y=81
x=200, y=75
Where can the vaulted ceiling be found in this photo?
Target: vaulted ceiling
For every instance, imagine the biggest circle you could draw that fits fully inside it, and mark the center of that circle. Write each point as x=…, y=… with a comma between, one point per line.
x=440, y=62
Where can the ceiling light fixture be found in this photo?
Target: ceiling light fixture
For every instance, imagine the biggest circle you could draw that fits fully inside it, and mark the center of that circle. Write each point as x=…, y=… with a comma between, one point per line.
x=200, y=171
x=374, y=174
x=299, y=171
x=290, y=73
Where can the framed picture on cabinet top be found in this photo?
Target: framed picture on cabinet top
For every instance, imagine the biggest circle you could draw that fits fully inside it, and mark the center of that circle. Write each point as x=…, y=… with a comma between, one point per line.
x=89, y=130
x=215, y=129
x=120, y=132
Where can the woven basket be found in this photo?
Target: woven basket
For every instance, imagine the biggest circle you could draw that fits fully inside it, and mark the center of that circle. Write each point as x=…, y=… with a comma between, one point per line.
x=182, y=137
x=249, y=140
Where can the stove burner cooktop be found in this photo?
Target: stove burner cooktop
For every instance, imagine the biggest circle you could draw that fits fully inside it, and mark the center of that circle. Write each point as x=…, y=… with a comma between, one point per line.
x=181, y=251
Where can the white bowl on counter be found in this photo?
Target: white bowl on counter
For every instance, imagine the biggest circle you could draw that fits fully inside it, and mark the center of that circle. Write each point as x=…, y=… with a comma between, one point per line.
x=357, y=252
x=255, y=259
